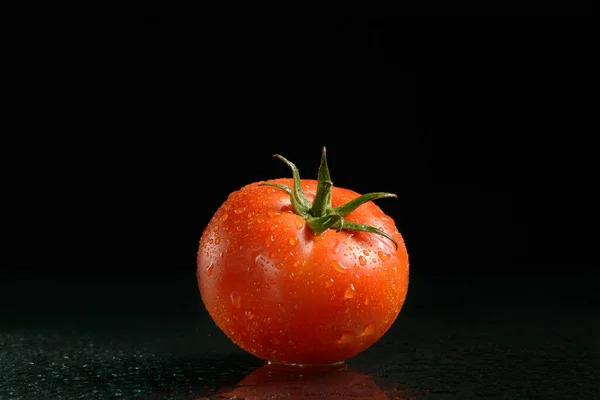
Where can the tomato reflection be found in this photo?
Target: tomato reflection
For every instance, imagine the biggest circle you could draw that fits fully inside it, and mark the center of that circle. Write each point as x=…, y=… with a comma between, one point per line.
x=277, y=381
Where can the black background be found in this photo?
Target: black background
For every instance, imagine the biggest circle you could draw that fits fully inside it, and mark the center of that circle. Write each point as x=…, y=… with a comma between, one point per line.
x=142, y=129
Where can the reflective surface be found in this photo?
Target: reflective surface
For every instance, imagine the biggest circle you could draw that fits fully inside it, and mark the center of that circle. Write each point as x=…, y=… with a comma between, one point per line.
x=457, y=338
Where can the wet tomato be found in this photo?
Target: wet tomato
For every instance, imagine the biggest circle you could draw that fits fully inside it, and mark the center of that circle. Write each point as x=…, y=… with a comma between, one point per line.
x=297, y=271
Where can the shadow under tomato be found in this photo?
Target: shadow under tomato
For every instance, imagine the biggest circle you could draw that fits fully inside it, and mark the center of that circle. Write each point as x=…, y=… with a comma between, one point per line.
x=275, y=381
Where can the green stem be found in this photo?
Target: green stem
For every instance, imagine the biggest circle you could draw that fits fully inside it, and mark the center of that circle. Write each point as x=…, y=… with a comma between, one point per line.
x=320, y=215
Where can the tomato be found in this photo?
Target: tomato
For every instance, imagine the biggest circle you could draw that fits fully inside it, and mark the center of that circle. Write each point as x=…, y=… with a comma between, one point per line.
x=297, y=271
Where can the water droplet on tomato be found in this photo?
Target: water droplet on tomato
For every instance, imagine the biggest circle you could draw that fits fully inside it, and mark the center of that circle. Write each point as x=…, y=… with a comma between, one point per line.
x=346, y=338
x=293, y=240
x=299, y=224
x=279, y=265
x=216, y=228
x=209, y=269
x=338, y=267
x=362, y=260
x=249, y=314
x=260, y=220
x=235, y=299
x=367, y=301
x=239, y=210
x=369, y=329
x=350, y=292
x=383, y=256
x=217, y=240
x=272, y=213
x=224, y=217
x=329, y=283
x=336, y=247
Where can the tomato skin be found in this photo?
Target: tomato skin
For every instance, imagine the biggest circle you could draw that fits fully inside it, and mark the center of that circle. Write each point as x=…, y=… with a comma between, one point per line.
x=286, y=295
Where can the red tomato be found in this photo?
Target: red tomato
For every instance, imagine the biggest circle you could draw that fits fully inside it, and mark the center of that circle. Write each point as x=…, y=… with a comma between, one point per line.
x=297, y=271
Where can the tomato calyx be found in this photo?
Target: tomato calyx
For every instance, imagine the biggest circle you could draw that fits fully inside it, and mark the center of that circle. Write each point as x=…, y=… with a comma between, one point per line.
x=320, y=215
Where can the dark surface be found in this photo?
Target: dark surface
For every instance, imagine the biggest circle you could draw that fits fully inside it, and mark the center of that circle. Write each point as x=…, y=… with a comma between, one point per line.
x=150, y=338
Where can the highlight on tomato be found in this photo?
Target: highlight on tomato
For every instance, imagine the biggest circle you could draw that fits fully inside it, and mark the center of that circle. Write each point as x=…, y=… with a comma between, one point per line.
x=299, y=271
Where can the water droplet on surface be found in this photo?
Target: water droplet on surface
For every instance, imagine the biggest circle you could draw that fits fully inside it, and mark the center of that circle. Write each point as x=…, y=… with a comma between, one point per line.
x=369, y=329
x=260, y=220
x=299, y=224
x=235, y=299
x=238, y=210
x=293, y=240
x=217, y=240
x=350, y=292
x=338, y=267
x=209, y=269
x=346, y=338
x=367, y=301
x=362, y=260
x=279, y=265
x=383, y=256
x=272, y=213
x=329, y=283
x=216, y=228
x=224, y=217
x=249, y=314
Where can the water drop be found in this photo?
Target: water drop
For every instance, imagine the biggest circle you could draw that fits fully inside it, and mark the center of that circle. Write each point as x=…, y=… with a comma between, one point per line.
x=209, y=269
x=336, y=247
x=272, y=213
x=216, y=228
x=238, y=210
x=224, y=217
x=217, y=240
x=383, y=256
x=260, y=220
x=338, y=267
x=362, y=260
x=346, y=338
x=299, y=224
x=235, y=299
x=293, y=240
x=249, y=314
x=329, y=283
x=369, y=329
x=367, y=301
x=350, y=292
